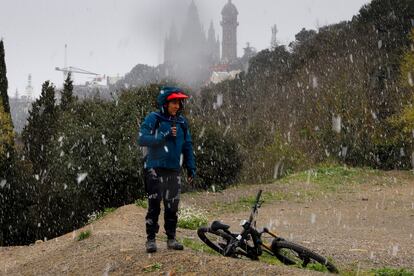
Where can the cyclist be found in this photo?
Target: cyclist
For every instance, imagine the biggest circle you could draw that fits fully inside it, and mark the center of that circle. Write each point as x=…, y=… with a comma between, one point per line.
x=167, y=138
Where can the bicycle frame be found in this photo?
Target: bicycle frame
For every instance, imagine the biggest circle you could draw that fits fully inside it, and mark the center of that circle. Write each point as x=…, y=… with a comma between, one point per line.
x=249, y=230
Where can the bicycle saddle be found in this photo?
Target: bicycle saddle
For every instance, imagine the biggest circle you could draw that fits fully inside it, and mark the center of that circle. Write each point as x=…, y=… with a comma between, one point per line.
x=216, y=225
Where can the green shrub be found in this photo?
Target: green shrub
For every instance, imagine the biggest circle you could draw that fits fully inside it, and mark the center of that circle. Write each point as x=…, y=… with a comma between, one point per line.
x=277, y=160
x=217, y=156
x=141, y=202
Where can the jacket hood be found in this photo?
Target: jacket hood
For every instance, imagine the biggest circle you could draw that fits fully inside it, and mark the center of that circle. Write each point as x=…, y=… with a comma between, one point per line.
x=164, y=93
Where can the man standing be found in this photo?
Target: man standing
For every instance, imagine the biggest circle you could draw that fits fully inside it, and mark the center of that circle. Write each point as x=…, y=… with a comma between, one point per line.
x=169, y=146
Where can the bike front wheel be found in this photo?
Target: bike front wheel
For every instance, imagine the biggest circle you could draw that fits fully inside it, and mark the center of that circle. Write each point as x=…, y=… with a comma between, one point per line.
x=291, y=253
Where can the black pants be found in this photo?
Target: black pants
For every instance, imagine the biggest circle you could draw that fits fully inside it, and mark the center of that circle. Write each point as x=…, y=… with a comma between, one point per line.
x=165, y=185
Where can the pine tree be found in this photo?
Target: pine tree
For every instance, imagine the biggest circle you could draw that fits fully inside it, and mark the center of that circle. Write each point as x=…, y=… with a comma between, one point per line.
x=67, y=94
x=6, y=124
x=6, y=132
x=7, y=173
x=3, y=80
x=407, y=66
x=41, y=127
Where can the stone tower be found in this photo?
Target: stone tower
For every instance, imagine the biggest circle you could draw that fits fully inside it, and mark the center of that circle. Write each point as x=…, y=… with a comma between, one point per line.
x=229, y=24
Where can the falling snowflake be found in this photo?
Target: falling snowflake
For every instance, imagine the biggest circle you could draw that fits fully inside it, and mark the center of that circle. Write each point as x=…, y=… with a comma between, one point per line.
x=336, y=123
x=395, y=250
x=3, y=183
x=81, y=177
x=379, y=44
x=202, y=132
x=314, y=82
x=313, y=218
x=103, y=139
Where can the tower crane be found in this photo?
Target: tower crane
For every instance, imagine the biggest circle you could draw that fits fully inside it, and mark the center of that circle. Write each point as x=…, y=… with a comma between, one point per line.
x=70, y=69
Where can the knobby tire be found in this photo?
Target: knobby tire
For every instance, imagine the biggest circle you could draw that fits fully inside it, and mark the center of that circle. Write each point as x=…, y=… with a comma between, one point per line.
x=305, y=255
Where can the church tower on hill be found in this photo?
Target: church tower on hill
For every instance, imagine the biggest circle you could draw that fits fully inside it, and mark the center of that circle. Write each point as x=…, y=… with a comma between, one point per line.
x=188, y=55
x=229, y=24
x=191, y=54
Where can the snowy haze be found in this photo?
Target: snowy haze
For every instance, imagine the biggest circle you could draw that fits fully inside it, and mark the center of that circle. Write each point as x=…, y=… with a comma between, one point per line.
x=111, y=36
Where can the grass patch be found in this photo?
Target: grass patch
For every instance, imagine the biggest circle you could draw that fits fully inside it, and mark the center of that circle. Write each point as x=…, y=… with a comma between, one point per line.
x=191, y=218
x=152, y=267
x=325, y=175
x=324, y=179
x=386, y=271
x=270, y=259
x=330, y=178
x=84, y=235
x=141, y=202
x=317, y=267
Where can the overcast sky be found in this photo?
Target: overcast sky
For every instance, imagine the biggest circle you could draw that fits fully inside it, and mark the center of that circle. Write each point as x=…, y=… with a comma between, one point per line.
x=111, y=36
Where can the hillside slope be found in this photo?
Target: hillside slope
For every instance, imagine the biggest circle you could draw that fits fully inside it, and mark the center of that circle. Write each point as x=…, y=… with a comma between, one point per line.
x=362, y=219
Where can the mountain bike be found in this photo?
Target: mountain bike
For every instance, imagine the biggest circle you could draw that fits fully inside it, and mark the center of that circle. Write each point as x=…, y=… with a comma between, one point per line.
x=249, y=243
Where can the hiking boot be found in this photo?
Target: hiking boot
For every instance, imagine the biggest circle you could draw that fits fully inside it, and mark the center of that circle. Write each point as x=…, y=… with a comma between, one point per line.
x=151, y=246
x=174, y=244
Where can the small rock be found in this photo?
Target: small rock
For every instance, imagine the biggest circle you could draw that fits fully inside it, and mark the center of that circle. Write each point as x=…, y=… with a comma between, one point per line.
x=38, y=242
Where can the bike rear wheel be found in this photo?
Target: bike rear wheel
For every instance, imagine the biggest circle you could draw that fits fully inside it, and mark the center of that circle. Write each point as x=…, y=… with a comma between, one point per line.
x=219, y=240
x=291, y=253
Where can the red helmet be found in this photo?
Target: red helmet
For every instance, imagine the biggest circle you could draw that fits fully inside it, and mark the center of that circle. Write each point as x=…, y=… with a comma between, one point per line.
x=177, y=96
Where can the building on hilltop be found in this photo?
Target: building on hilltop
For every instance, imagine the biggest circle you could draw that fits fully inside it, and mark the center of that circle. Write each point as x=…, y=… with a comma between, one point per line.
x=194, y=58
x=229, y=23
x=189, y=55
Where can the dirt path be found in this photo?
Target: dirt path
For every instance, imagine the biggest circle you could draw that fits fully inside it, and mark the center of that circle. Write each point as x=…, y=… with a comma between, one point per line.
x=116, y=247
x=369, y=225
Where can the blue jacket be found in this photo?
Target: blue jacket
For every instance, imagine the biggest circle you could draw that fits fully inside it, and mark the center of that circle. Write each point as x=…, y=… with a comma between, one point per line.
x=165, y=150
